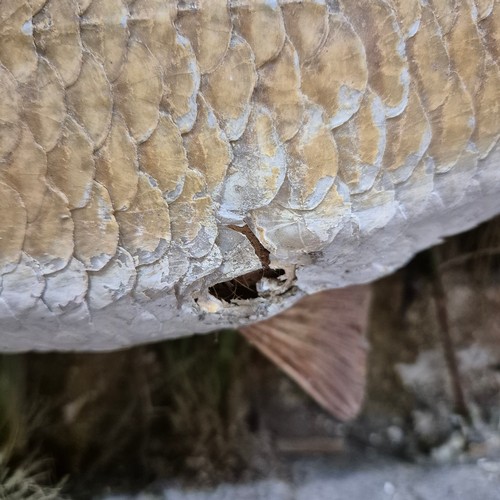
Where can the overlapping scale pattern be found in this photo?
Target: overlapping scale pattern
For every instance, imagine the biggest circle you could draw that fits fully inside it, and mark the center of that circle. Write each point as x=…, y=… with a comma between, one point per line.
x=135, y=135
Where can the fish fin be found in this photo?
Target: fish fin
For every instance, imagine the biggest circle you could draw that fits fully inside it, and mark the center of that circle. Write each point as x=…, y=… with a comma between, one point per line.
x=320, y=342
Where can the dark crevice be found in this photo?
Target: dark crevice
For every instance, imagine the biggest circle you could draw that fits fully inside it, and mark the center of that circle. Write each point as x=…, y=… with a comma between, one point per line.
x=245, y=286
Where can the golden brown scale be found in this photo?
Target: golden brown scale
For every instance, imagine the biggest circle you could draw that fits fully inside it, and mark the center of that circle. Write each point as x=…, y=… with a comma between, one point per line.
x=96, y=230
x=207, y=148
x=117, y=165
x=279, y=89
x=375, y=23
x=163, y=157
x=145, y=224
x=229, y=87
x=90, y=101
x=17, y=50
x=71, y=164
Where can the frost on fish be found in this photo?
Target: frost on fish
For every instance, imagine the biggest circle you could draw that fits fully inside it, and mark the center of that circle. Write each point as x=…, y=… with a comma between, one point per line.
x=153, y=152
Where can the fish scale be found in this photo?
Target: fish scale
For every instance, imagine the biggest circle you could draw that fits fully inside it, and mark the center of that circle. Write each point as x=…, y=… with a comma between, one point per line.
x=134, y=134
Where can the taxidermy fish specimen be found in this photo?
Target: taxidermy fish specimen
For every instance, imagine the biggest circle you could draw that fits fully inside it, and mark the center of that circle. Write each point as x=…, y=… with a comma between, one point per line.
x=170, y=167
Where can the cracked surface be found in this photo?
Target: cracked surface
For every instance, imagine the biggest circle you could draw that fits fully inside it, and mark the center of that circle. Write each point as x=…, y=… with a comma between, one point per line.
x=137, y=137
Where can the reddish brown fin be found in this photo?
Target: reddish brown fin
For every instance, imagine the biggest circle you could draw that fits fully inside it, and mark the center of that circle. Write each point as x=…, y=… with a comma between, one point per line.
x=320, y=343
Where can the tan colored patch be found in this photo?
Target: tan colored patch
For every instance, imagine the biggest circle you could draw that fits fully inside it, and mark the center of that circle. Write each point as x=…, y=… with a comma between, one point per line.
x=43, y=105
x=17, y=50
x=491, y=30
x=90, y=100
x=194, y=226
x=164, y=158
x=26, y=171
x=145, y=225
x=49, y=238
x=12, y=227
x=104, y=31
x=138, y=90
x=375, y=23
x=312, y=163
x=452, y=126
x=446, y=12
x=207, y=148
x=56, y=30
x=430, y=61
x=10, y=130
x=117, y=165
x=96, y=230
x=336, y=77
x=36, y=5
x=208, y=27
x=487, y=109
x=408, y=14
x=279, y=90
x=466, y=49
x=361, y=144
x=408, y=136
x=307, y=26
x=261, y=25
x=228, y=89
x=71, y=164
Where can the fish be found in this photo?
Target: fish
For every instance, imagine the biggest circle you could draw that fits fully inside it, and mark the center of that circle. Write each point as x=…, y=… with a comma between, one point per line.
x=170, y=167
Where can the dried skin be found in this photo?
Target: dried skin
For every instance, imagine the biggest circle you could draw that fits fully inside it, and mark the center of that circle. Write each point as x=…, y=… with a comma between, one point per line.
x=49, y=238
x=361, y=144
x=26, y=172
x=56, y=31
x=228, y=89
x=307, y=26
x=430, y=62
x=138, y=90
x=279, y=90
x=90, y=100
x=10, y=130
x=208, y=149
x=96, y=230
x=71, y=164
x=409, y=135
x=113, y=282
x=312, y=163
x=384, y=45
x=145, y=225
x=104, y=32
x=261, y=25
x=43, y=105
x=17, y=49
x=208, y=26
x=13, y=220
x=67, y=288
x=163, y=157
x=335, y=78
x=117, y=165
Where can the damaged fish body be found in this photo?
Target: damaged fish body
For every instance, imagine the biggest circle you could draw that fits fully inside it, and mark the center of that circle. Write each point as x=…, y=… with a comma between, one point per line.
x=170, y=168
